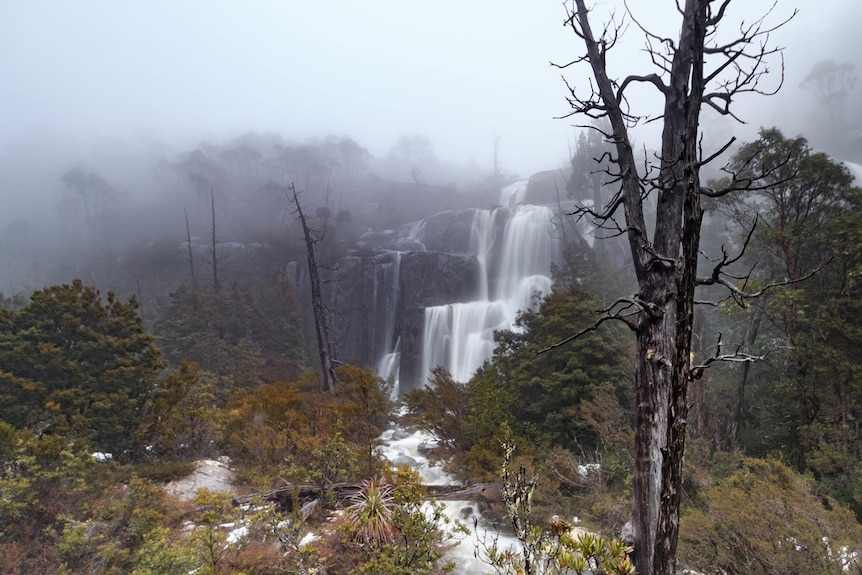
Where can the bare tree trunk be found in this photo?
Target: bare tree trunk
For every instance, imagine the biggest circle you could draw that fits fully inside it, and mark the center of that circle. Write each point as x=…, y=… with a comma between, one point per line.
x=191, y=253
x=215, y=257
x=738, y=406
x=698, y=420
x=665, y=264
x=140, y=304
x=666, y=270
x=321, y=329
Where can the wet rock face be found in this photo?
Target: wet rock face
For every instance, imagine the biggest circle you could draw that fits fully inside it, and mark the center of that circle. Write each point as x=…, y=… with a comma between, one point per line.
x=449, y=232
x=444, y=232
x=491, y=260
x=429, y=279
x=432, y=278
x=546, y=187
x=379, y=295
x=379, y=299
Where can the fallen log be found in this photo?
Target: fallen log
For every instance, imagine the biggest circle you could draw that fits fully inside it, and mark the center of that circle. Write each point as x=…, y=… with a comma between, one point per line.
x=481, y=492
x=287, y=495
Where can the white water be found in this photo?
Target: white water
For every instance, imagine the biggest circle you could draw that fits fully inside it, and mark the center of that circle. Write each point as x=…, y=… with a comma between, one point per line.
x=856, y=170
x=401, y=447
x=387, y=292
x=460, y=336
x=512, y=195
x=389, y=366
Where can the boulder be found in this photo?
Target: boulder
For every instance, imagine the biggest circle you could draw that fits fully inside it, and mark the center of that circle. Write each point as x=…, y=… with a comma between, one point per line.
x=214, y=475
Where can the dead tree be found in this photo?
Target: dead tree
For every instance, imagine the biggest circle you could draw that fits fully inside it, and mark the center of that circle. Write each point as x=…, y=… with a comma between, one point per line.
x=327, y=368
x=216, y=256
x=698, y=68
x=191, y=253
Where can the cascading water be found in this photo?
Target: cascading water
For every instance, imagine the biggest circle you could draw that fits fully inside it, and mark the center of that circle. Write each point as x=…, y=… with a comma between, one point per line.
x=401, y=447
x=855, y=169
x=514, y=249
x=460, y=336
x=513, y=194
x=387, y=345
x=480, y=232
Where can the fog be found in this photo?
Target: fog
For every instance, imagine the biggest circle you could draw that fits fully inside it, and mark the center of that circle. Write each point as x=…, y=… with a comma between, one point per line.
x=456, y=72
x=118, y=87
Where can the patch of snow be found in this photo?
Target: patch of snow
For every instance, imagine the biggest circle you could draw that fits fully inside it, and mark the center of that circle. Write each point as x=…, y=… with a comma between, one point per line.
x=238, y=534
x=102, y=457
x=309, y=538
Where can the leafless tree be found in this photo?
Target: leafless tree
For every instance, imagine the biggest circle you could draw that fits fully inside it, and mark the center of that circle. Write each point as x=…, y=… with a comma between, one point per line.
x=191, y=252
x=327, y=368
x=699, y=68
x=216, y=256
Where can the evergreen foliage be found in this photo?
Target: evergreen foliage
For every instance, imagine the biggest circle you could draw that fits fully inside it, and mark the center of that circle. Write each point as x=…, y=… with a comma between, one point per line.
x=241, y=338
x=73, y=364
x=181, y=422
x=803, y=403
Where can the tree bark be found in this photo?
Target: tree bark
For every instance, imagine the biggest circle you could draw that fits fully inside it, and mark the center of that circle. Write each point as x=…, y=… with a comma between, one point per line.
x=321, y=328
x=666, y=274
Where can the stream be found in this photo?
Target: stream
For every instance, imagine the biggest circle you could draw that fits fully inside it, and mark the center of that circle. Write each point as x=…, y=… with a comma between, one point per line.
x=400, y=447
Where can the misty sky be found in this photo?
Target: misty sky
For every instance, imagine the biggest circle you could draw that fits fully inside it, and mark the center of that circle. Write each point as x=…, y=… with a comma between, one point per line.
x=457, y=71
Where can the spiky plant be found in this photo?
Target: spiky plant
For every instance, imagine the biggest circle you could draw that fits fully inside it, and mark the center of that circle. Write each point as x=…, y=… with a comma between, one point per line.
x=370, y=515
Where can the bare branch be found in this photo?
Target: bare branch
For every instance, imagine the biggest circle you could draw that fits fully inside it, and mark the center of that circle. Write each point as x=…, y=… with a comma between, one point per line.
x=722, y=150
x=736, y=357
x=726, y=260
x=653, y=79
x=714, y=20
x=606, y=214
x=631, y=307
x=741, y=294
x=746, y=182
x=668, y=42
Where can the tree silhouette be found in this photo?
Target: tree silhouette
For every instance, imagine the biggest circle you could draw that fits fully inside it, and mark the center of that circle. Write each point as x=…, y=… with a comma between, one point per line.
x=832, y=84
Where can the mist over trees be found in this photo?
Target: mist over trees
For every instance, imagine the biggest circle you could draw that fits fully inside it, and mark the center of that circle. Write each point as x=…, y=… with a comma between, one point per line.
x=98, y=219
x=155, y=305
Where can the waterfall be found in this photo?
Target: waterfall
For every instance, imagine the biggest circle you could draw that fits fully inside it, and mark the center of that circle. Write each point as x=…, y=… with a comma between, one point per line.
x=480, y=242
x=466, y=274
x=514, y=249
x=512, y=195
x=389, y=366
x=385, y=299
x=460, y=336
x=855, y=170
